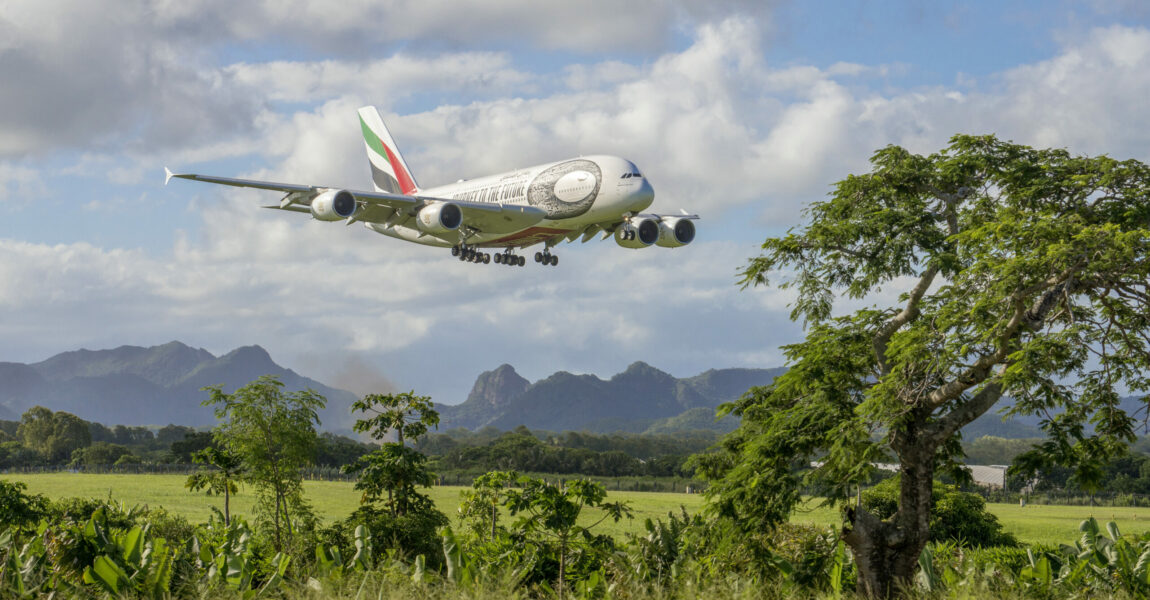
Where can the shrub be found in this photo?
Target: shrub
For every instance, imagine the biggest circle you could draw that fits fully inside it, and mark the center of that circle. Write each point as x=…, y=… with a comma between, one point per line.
x=17, y=508
x=955, y=516
x=409, y=535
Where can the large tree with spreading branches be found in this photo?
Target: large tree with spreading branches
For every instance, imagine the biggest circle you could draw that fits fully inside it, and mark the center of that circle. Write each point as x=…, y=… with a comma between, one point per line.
x=989, y=270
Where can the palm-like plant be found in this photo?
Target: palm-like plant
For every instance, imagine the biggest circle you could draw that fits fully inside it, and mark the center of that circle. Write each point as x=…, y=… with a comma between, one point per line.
x=221, y=479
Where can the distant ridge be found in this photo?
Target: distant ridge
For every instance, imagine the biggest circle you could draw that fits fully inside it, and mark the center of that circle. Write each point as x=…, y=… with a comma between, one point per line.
x=133, y=385
x=640, y=398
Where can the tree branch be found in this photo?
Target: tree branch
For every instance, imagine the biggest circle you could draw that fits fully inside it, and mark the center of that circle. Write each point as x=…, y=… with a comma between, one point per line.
x=978, y=372
x=909, y=313
x=965, y=413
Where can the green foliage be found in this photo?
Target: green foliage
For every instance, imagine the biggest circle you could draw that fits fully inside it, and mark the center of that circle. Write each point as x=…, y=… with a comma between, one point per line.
x=394, y=471
x=99, y=453
x=549, y=517
x=15, y=454
x=955, y=516
x=54, y=435
x=408, y=415
x=18, y=509
x=273, y=433
x=411, y=520
x=220, y=479
x=662, y=553
x=408, y=535
x=479, y=507
x=182, y=451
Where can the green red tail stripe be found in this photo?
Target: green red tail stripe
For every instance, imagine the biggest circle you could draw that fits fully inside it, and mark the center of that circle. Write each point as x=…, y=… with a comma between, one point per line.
x=406, y=183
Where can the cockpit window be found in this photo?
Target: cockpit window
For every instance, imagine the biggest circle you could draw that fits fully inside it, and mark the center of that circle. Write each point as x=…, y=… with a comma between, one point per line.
x=626, y=176
x=636, y=174
x=630, y=175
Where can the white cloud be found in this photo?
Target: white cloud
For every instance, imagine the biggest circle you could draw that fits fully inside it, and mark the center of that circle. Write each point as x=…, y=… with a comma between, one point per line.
x=19, y=182
x=715, y=126
x=399, y=75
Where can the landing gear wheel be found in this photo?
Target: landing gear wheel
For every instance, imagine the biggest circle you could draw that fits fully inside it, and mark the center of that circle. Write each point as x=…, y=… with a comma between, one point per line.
x=554, y=260
x=522, y=260
x=538, y=257
x=455, y=250
x=486, y=258
x=498, y=258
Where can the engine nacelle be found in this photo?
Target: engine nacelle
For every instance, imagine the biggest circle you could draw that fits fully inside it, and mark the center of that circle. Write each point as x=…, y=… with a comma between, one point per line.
x=637, y=233
x=334, y=205
x=675, y=232
x=439, y=218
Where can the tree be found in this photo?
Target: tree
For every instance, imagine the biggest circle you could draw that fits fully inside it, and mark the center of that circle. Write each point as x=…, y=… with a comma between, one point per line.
x=394, y=468
x=132, y=436
x=1019, y=272
x=408, y=415
x=273, y=433
x=54, y=435
x=219, y=480
x=98, y=454
x=183, y=450
x=551, y=515
x=170, y=434
x=479, y=507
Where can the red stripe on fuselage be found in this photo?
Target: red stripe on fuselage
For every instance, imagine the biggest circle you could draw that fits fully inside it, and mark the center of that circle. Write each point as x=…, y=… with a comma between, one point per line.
x=531, y=235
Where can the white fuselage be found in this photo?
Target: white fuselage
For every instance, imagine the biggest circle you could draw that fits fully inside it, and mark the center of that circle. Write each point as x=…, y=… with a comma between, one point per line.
x=575, y=194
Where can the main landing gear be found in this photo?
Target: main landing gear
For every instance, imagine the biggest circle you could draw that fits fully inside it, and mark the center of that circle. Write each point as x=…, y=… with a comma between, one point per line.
x=470, y=254
x=546, y=258
x=508, y=258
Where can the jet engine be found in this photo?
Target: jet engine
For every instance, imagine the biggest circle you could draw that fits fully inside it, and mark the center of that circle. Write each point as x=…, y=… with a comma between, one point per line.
x=439, y=218
x=637, y=233
x=333, y=205
x=675, y=232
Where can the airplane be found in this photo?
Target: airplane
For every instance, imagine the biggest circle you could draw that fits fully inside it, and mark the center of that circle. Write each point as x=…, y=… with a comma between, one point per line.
x=512, y=211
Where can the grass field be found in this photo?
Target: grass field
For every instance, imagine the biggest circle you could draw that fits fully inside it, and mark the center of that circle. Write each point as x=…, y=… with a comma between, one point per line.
x=334, y=500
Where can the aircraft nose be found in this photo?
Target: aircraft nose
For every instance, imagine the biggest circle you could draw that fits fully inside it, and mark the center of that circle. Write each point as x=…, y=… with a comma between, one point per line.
x=641, y=198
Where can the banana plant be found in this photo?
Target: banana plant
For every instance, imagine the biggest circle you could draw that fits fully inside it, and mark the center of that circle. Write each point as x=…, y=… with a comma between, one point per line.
x=1111, y=562
x=23, y=567
x=131, y=563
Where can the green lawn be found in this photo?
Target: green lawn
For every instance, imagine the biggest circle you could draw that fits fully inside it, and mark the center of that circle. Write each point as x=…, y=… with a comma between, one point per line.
x=335, y=500
x=332, y=500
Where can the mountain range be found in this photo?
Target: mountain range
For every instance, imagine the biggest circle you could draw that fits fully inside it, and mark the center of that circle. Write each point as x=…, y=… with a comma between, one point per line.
x=640, y=399
x=131, y=385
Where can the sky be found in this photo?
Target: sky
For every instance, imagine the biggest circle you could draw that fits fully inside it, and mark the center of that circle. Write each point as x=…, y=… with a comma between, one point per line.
x=741, y=111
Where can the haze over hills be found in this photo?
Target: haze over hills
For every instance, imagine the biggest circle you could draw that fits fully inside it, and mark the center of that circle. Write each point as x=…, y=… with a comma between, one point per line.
x=131, y=385
x=640, y=398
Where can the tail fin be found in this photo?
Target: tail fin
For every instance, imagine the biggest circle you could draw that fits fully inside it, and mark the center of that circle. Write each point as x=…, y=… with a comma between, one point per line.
x=388, y=169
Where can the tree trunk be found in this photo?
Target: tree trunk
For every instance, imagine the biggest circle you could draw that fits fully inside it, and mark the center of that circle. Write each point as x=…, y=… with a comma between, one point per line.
x=887, y=552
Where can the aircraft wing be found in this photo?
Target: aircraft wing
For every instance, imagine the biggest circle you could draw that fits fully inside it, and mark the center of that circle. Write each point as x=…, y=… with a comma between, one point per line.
x=387, y=208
